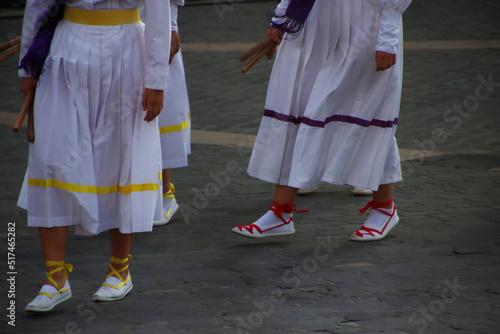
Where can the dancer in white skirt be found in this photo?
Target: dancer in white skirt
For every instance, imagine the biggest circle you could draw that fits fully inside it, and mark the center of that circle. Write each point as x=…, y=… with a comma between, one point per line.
x=174, y=121
x=95, y=163
x=332, y=108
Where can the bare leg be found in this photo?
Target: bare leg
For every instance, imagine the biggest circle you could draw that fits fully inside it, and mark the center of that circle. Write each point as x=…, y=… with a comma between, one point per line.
x=285, y=194
x=167, y=177
x=383, y=194
x=120, y=248
x=54, y=249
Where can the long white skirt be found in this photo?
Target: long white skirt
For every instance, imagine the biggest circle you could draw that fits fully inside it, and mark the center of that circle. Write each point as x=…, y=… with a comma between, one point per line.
x=95, y=163
x=174, y=120
x=329, y=116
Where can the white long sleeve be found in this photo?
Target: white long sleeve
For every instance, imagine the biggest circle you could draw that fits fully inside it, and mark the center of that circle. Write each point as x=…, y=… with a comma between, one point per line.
x=391, y=12
x=157, y=34
x=35, y=16
x=174, y=8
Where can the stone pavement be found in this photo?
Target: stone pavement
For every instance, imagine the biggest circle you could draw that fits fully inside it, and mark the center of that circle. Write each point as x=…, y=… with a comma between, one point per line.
x=437, y=272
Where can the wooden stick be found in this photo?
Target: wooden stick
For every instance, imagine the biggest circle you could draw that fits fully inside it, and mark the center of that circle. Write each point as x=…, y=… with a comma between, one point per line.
x=28, y=102
x=257, y=57
x=256, y=48
x=9, y=44
x=10, y=53
x=31, y=125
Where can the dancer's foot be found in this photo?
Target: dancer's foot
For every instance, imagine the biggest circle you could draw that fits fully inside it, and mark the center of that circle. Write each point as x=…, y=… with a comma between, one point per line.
x=115, y=286
x=379, y=222
x=278, y=221
x=51, y=293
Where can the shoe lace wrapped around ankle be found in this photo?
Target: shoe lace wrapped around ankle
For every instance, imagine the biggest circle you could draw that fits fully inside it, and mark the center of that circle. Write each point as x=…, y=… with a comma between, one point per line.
x=60, y=265
x=374, y=205
x=279, y=209
x=170, y=193
x=117, y=272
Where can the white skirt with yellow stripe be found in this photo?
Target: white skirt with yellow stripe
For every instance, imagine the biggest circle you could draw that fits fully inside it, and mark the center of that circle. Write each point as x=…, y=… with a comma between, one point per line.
x=95, y=163
x=174, y=120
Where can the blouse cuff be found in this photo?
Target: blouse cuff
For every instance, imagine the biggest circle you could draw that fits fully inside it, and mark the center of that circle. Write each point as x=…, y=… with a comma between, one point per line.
x=388, y=31
x=157, y=78
x=279, y=13
x=22, y=73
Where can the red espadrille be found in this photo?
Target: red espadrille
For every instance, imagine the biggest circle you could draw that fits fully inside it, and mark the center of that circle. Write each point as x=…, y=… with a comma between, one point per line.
x=278, y=221
x=379, y=222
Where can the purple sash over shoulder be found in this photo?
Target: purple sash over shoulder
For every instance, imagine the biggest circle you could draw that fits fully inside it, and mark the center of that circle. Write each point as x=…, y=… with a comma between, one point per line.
x=295, y=16
x=34, y=59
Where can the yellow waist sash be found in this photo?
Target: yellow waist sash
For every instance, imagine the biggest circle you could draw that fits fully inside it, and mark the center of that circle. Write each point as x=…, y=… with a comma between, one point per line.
x=102, y=17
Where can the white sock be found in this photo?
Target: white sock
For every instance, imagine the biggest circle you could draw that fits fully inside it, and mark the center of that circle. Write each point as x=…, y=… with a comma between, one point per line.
x=269, y=219
x=377, y=219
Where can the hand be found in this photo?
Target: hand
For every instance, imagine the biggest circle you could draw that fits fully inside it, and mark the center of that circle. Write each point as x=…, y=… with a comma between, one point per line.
x=276, y=34
x=28, y=85
x=384, y=60
x=175, y=45
x=152, y=103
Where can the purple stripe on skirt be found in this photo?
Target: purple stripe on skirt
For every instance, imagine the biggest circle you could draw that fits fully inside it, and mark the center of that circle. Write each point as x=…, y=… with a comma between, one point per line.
x=334, y=118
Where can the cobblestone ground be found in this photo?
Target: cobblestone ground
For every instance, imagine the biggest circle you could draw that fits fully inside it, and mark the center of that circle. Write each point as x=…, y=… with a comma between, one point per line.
x=437, y=272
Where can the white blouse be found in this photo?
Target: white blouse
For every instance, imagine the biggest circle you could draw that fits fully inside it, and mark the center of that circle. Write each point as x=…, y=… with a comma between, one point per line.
x=389, y=25
x=157, y=30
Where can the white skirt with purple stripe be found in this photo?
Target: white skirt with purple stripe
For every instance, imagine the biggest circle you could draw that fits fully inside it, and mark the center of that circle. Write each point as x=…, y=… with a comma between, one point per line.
x=329, y=116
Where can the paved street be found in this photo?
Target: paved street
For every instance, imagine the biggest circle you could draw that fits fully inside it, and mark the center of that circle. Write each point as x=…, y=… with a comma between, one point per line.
x=437, y=272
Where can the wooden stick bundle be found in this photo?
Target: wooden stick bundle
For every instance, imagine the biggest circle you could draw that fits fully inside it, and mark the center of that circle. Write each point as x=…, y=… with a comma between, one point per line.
x=256, y=48
x=28, y=104
x=31, y=125
x=9, y=53
x=264, y=47
x=12, y=47
x=27, y=109
x=14, y=42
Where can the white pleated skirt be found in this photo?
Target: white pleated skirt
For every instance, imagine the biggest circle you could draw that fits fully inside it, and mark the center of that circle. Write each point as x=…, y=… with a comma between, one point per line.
x=174, y=120
x=329, y=116
x=95, y=163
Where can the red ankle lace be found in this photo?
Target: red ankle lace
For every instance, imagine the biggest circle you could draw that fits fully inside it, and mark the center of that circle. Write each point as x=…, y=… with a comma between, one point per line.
x=279, y=210
x=374, y=205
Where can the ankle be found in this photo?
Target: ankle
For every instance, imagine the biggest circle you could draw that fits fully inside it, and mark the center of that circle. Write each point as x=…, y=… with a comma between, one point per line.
x=57, y=277
x=170, y=190
x=119, y=268
x=375, y=204
x=285, y=208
